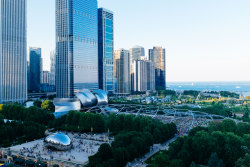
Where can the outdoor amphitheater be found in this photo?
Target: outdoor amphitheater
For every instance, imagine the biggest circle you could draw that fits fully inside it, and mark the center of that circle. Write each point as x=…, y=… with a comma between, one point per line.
x=185, y=120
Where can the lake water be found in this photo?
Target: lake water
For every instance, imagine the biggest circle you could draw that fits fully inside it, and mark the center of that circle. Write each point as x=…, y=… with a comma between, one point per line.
x=239, y=87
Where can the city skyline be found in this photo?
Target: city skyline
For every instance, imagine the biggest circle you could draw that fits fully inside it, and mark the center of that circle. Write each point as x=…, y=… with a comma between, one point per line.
x=196, y=32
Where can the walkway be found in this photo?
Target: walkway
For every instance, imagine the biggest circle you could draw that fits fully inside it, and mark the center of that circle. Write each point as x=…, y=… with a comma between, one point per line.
x=140, y=162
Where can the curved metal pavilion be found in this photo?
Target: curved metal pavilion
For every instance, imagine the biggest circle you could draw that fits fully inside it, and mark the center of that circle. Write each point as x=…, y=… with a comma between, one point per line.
x=184, y=119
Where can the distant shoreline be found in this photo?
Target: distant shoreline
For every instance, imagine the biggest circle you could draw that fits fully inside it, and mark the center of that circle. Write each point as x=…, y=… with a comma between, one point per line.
x=241, y=87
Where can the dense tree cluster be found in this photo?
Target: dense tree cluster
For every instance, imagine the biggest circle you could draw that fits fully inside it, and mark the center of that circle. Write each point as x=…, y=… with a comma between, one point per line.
x=125, y=148
x=80, y=122
x=134, y=137
x=221, y=144
x=22, y=124
x=20, y=113
x=229, y=94
x=216, y=108
x=161, y=132
x=19, y=132
x=193, y=93
x=166, y=93
x=133, y=134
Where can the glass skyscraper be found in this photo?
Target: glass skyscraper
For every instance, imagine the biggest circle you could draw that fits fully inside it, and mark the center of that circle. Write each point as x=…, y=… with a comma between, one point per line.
x=76, y=46
x=106, y=50
x=158, y=56
x=144, y=76
x=136, y=53
x=35, y=69
x=13, y=51
x=122, y=71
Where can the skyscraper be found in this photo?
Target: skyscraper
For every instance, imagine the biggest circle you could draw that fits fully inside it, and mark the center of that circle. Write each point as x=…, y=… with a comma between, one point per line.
x=35, y=69
x=52, y=73
x=139, y=76
x=76, y=46
x=13, y=51
x=157, y=55
x=143, y=76
x=106, y=50
x=136, y=53
x=45, y=77
x=45, y=82
x=122, y=71
x=150, y=76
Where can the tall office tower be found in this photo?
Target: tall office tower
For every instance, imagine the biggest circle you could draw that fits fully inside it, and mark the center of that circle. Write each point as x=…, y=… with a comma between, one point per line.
x=45, y=77
x=106, y=50
x=122, y=71
x=13, y=51
x=139, y=76
x=52, y=73
x=157, y=55
x=136, y=53
x=28, y=75
x=150, y=76
x=76, y=46
x=45, y=82
x=144, y=78
x=35, y=69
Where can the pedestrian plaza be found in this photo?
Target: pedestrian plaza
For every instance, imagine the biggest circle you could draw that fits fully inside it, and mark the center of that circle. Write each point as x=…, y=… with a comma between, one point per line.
x=84, y=145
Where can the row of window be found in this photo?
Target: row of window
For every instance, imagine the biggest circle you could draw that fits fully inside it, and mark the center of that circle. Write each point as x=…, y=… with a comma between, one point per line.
x=109, y=61
x=78, y=38
x=79, y=13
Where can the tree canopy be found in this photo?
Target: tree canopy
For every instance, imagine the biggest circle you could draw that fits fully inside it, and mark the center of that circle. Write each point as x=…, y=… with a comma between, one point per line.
x=221, y=144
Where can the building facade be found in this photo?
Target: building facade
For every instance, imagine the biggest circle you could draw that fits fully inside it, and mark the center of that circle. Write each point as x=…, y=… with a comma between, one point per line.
x=106, y=50
x=139, y=76
x=157, y=55
x=76, y=46
x=150, y=76
x=52, y=73
x=35, y=69
x=46, y=85
x=136, y=53
x=122, y=71
x=143, y=77
x=13, y=51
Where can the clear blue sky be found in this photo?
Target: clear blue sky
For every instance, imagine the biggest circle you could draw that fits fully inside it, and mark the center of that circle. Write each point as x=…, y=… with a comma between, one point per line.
x=206, y=40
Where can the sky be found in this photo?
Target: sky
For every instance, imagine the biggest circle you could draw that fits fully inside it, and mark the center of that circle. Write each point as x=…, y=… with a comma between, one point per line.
x=205, y=40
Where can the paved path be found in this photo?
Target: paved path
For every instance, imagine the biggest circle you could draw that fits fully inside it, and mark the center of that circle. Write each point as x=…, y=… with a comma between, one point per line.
x=140, y=162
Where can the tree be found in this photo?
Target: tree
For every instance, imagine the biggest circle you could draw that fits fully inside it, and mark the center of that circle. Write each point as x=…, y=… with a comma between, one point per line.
x=193, y=164
x=233, y=148
x=48, y=106
x=243, y=162
x=246, y=115
x=105, y=152
x=176, y=163
x=1, y=116
x=213, y=160
x=38, y=103
x=221, y=164
x=243, y=128
x=229, y=125
x=1, y=107
x=200, y=142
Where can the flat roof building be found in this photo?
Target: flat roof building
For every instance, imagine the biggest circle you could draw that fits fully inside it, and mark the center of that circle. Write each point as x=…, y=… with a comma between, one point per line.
x=122, y=71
